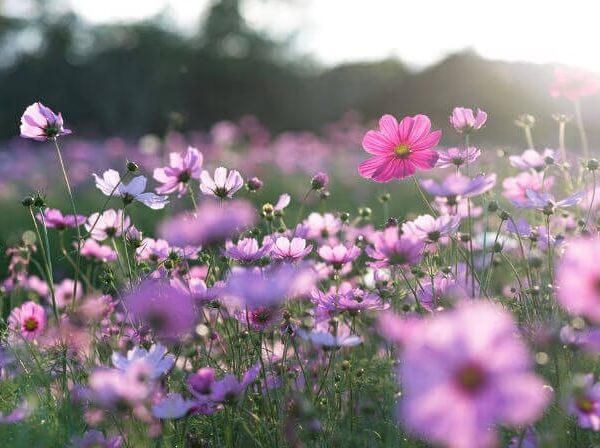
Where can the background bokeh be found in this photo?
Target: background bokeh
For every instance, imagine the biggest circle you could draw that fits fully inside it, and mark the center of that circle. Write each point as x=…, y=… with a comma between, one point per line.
x=143, y=82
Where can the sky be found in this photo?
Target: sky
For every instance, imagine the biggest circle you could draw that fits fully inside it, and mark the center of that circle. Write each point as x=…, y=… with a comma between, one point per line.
x=420, y=32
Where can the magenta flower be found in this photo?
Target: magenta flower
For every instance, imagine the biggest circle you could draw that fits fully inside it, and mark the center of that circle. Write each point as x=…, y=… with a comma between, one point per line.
x=99, y=252
x=223, y=185
x=201, y=382
x=463, y=119
x=110, y=184
x=533, y=160
x=166, y=310
x=290, y=250
x=247, y=250
x=27, y=321
x=180, y=171
x=392, y=249
x=457, y=185
x=472, y=358
x=399, y=148
x=108, y=225
x=340, y=254
x=457, y=157
x=346, y=298
x=212, y=222
x=319, y=181
x=54, y=219
x=40, y=123
x=585, y=402
x=574, y=84
x=260, y=318
x=578, y=278
x=430, y=229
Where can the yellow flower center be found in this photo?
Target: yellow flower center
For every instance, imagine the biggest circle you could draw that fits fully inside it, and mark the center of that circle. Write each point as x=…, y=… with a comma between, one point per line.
x=31, y=324
x=402, y=151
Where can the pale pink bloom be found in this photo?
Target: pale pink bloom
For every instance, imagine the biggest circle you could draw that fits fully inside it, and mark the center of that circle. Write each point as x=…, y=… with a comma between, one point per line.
x=399, y=148
x=578, y=278
x=40, y=123
x=223, y=185
x=180, y=171
x=322, y=227
x=64, y=292
x=430, y=229
x=99, y=252
x=108, y=225
x=515, y=188
x=27, y=321
x=463, y=119
x=156, y=358
x=282, y=202
x=54, y=219
x=323, y=337
x=457, y=157
x=531, y=159
x=290, y=250
x=464, y=372
x=247, y=250
x=585, y=402
x=339, y=254
x=574, y=84
x=110, y=184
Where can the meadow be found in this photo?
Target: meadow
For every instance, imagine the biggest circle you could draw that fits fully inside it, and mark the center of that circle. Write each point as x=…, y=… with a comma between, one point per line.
x=364, y=287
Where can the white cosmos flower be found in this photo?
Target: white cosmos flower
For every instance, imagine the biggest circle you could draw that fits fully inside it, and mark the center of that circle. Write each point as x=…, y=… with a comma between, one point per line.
x=110, y=183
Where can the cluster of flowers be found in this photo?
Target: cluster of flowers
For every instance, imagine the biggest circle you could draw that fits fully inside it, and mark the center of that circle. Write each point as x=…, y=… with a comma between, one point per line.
x=235, y=314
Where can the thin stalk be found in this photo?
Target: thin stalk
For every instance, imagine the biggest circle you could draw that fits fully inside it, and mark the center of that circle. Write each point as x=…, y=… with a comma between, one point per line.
x=581, y=129
x=68, y=185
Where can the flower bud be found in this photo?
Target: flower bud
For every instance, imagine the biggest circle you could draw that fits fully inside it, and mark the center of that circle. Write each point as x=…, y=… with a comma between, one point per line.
x=254, y=184
x=319, y=181
x=132, y=167
x=27, y=201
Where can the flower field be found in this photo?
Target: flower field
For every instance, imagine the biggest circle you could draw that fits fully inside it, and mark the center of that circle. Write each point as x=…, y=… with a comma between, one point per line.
x=365, y=287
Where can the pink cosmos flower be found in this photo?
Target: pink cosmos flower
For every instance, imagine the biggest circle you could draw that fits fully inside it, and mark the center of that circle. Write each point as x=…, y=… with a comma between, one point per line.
x=322, y=227
x=27, y=321
x=290, y=250
x=515, y=188
x=99, y=252
x=472, y=358
x=574, y=84
x=107, y=225
x=95, y=439
x=346, y=298
x=166, y=310
x=457, y=185
x=463, y=119
x=223, y=185
x=54, y=219
x=64, y=292
x=457, y=157
x=585, y=402
x=176, y=176
x=399, y=148
x=213, y=222
x=578, y=278
x=392, y=249
x=40, y=123
x=340, y=254
x=531, y=159
x=247, y=250
x=260, y=318
x=430, y=229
